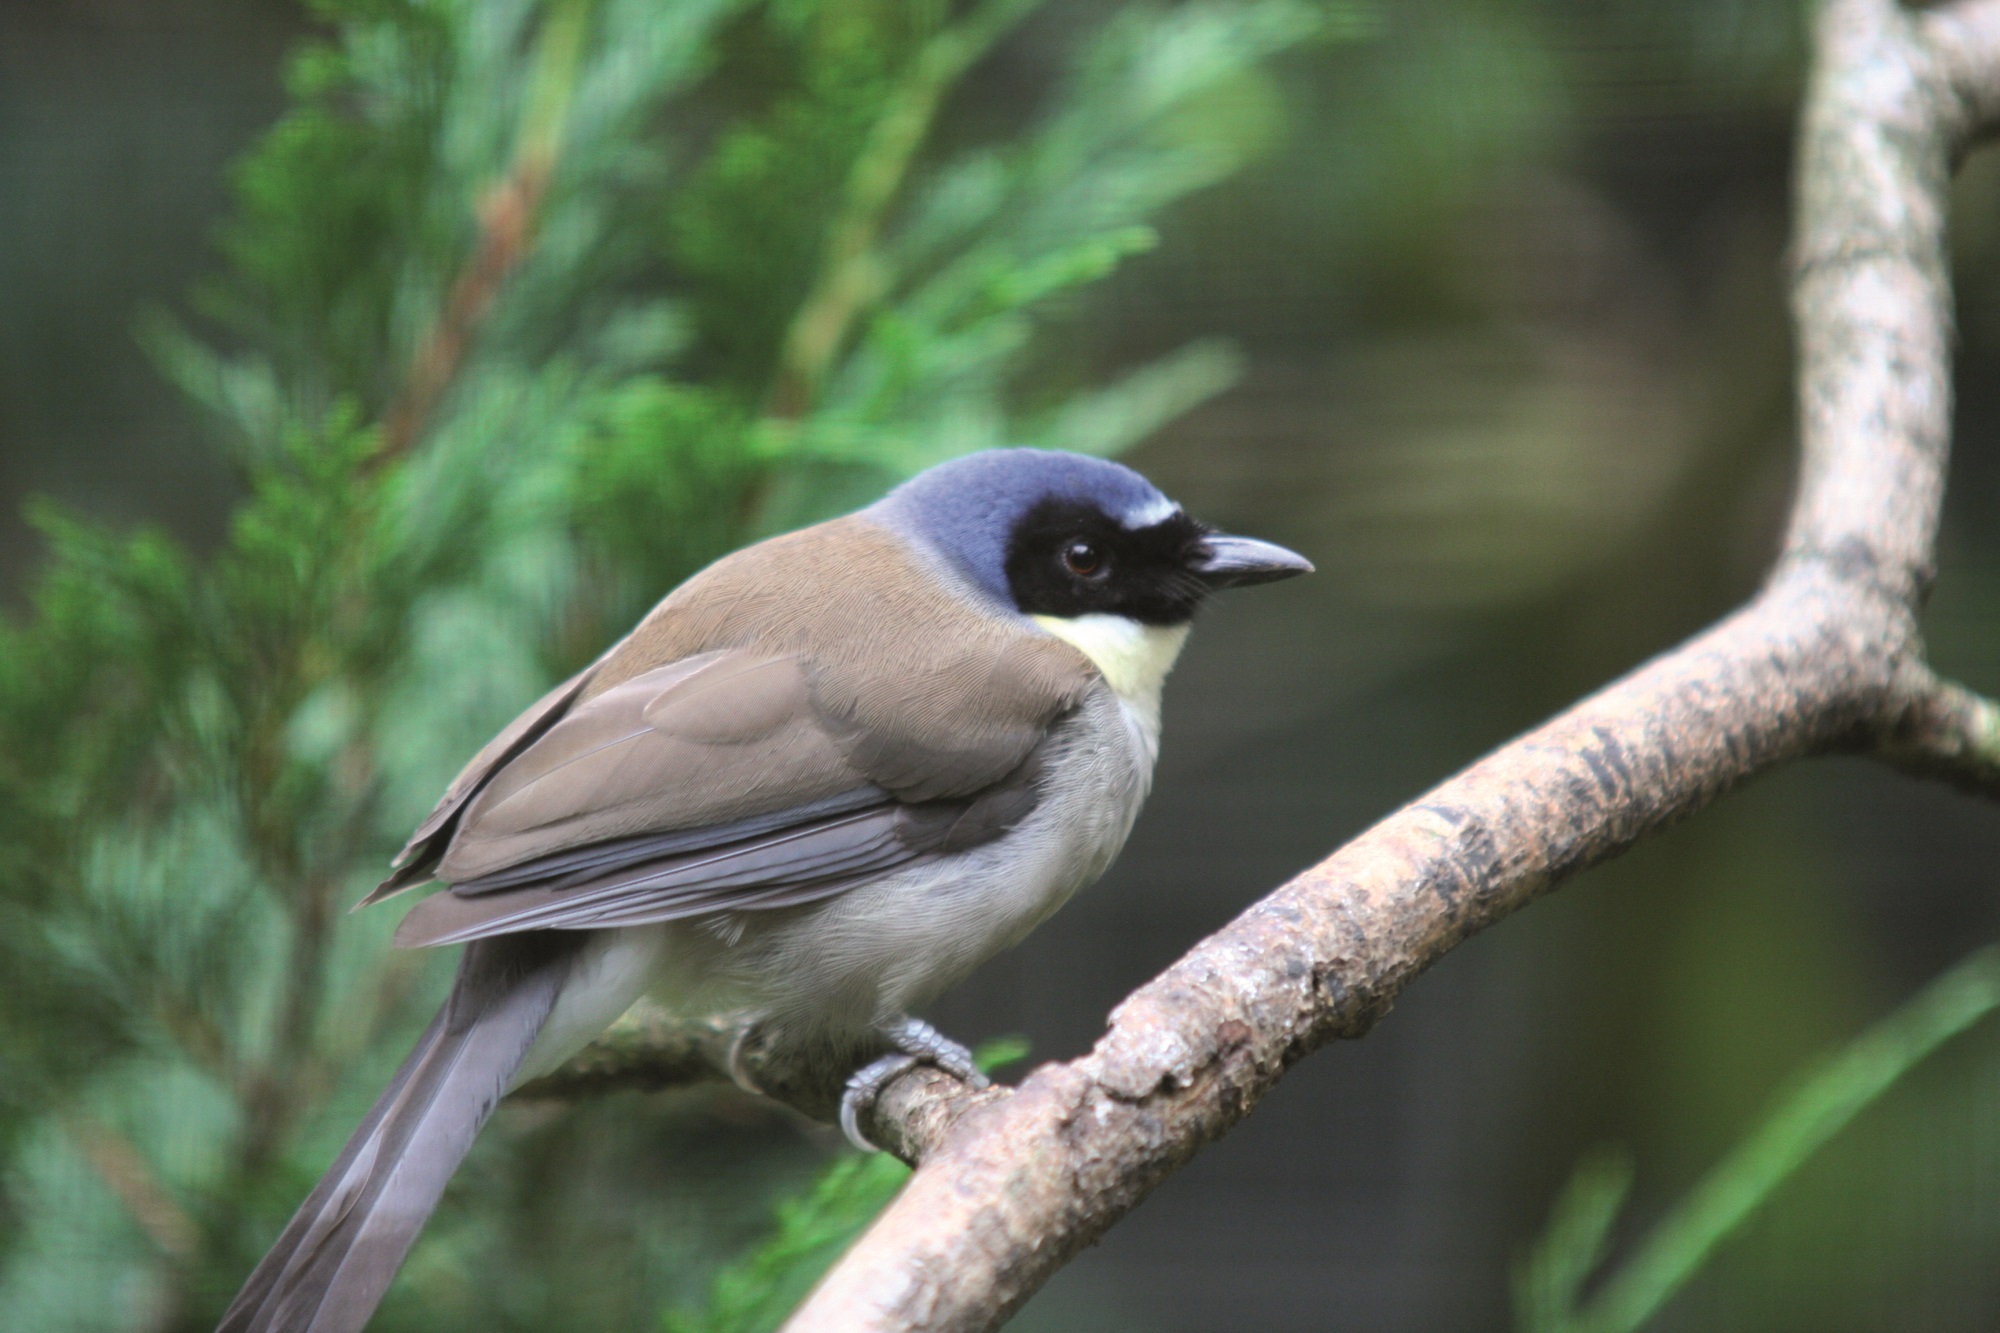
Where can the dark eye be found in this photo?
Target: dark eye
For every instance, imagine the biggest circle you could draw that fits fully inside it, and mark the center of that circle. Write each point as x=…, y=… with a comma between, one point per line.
x=1083, y=559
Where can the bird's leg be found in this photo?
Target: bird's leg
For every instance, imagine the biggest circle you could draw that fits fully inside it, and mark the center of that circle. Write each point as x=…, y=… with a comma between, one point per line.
x=916, y=1042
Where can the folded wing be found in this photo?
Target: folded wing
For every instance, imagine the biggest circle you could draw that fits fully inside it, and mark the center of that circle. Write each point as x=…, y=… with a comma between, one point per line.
x=739, y=779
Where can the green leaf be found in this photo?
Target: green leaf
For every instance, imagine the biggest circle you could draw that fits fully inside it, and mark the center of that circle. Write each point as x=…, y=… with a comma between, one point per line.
x=1824, y=1103
x=757, y=1291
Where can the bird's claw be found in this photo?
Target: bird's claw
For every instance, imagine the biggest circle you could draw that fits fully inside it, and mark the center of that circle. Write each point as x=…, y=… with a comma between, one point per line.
x=738, y=1066
x=862, y=1090
x=916, y=1042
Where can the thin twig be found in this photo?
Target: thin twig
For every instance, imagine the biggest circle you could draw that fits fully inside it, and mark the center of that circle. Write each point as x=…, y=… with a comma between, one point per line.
x=508, y=216
x=1948, y=733
x=126, y=1173
x=647, y=1049
x=1966, y=39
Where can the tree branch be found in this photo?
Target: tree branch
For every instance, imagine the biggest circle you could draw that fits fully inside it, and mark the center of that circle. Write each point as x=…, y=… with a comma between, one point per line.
x=1965, y=39
x=1826, y=658
x=647, y=1050
x=1948, y=733
x=128, y=1175
x=508, y=215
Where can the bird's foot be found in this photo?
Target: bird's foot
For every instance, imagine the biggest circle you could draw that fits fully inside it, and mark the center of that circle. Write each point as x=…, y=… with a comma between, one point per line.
x=862, y=1090
x=738, y=1065
x=914, y=1037
x=916, y=1042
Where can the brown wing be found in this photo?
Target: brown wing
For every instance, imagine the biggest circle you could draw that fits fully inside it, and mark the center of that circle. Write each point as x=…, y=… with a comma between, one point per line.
x=808, y=729
x=636, y=881
x=709, y=740
x=928, y=693
x=418, y=859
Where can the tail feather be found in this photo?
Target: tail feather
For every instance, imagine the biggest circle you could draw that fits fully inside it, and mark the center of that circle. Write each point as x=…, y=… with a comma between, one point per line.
x=336, y=1257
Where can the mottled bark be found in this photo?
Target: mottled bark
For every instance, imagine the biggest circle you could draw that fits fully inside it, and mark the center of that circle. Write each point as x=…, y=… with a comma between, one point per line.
x=1826, y=658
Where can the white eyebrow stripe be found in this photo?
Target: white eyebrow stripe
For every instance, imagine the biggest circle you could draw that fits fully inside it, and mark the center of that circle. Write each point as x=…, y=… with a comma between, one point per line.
x=1156, y=511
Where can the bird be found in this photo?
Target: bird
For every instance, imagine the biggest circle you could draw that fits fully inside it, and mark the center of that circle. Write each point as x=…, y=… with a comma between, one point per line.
x=819, y=783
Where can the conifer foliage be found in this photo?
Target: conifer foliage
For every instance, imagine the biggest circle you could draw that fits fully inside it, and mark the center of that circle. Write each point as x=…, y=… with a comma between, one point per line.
x=524, y=312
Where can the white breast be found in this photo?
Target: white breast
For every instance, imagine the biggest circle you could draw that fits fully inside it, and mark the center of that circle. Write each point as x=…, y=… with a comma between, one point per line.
x=879, y=949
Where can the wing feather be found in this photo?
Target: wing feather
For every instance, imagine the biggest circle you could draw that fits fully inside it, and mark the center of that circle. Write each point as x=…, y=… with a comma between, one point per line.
x=420, y=855
x=593, y=861
x=780, y=869
x=776, y=731
x=657, y=754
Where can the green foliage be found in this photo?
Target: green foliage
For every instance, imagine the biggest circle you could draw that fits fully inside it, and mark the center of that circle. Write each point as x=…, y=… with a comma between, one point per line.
x=527, y=311
x=649, y=428
x=1549, y=1283
x=825, y=71
x=755, y=1292
x=1549, y=1280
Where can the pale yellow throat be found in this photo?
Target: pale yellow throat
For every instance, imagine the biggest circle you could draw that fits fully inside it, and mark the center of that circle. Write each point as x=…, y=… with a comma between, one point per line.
x=1134, y=658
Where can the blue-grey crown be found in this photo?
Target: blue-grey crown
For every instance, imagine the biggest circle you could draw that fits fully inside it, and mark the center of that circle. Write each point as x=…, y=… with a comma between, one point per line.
x=966, y=509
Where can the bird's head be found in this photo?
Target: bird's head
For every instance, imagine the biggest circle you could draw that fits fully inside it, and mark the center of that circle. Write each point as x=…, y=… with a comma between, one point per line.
x=1066, y=536
x=1089, y=550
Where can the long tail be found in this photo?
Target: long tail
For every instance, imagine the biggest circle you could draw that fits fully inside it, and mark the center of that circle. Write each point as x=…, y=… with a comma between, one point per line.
x=338, y=1254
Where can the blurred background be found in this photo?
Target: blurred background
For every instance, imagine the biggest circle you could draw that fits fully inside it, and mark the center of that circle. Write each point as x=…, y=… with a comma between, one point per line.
x=1479, y=303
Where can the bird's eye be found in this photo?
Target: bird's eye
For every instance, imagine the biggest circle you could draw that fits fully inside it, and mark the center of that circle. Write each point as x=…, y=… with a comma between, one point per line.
x=1083, y=559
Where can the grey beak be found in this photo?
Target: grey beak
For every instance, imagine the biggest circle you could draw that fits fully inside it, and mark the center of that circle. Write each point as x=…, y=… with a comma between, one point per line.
x=1235, y=562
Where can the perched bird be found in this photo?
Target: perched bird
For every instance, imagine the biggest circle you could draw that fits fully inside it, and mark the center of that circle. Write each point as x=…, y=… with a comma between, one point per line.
x=823, y=780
